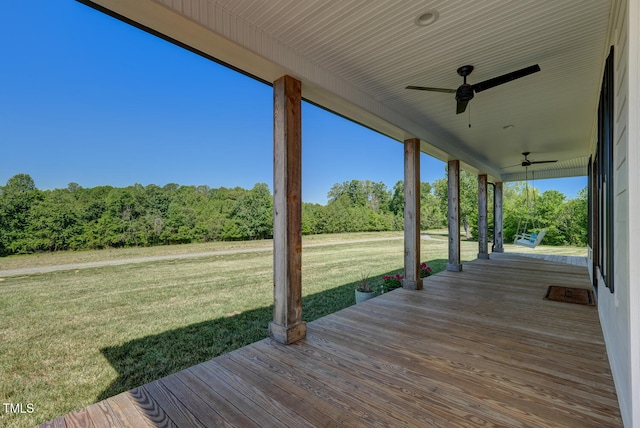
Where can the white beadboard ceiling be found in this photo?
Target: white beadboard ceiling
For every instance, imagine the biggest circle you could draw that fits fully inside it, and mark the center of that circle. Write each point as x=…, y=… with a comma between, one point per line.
x=356, y=57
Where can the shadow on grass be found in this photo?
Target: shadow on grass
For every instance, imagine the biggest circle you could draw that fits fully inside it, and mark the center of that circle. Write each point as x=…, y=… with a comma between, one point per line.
x=144, y=360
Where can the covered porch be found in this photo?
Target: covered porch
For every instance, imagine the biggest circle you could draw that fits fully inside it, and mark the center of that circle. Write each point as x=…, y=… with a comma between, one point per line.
x=477, y=347
x=471, y=346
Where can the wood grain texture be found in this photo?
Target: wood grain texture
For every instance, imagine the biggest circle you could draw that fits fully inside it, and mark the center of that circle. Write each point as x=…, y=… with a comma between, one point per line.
x=59, y=422
x=103, y=416
x=453, y=174
x=412, y=215
x=150, y=409
x=287, y=325
x=498, y=218
x=79, y=418
x=483, y=226
x=127, y=412
x=475, y=348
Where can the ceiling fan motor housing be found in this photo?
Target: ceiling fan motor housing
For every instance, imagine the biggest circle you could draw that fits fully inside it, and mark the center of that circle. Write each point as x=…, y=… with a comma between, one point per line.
x=464, y=93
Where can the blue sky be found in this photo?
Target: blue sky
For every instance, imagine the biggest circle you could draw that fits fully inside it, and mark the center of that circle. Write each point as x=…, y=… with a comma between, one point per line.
x=88, y=99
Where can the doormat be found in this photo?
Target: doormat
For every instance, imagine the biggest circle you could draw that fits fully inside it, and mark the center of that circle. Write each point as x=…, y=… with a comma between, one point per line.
x=580, y=296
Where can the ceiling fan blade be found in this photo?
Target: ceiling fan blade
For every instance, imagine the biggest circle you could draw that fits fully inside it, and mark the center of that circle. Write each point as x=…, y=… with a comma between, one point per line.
x=488, y=84
x=461, y=106
x=425, y=88
x=549, y=161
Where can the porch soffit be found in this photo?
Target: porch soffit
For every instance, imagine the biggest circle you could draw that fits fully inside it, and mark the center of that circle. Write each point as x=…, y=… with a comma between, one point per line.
x=356, y=58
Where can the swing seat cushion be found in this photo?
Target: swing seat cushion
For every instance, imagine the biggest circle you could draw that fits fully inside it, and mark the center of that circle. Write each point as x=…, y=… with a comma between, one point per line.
x=530, y=240
x=525, y=242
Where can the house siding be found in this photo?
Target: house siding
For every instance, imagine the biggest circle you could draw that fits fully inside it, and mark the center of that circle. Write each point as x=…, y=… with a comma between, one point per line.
x=633, y=201
x=620, y=311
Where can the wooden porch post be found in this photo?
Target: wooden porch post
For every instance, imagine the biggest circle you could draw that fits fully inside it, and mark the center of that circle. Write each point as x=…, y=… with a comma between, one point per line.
x=483, y=227
x=498, y=216
x=412, y=215
x=453, y=173
x=287, y=326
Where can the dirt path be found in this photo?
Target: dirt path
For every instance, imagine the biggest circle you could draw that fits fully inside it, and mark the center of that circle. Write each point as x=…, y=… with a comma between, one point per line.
x=74, y=266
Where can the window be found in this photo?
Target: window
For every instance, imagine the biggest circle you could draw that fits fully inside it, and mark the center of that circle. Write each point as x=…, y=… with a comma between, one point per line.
x=604, y=171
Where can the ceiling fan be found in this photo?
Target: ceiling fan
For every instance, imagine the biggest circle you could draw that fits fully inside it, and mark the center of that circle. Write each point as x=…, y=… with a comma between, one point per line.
x=465, y=92
x=527, y=162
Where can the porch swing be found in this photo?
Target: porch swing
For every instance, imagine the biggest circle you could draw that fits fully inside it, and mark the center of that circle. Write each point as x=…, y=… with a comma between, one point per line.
x=525, y=236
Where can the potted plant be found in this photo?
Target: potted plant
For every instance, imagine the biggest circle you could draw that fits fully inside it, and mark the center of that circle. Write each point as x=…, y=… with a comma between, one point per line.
x=363, y=290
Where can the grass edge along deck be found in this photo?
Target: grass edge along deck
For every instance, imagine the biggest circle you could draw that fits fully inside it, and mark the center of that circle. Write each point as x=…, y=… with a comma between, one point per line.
x=476, y=347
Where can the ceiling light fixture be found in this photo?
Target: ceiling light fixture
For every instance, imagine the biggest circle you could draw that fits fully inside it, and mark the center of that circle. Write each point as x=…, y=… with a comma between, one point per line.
x=427, y=18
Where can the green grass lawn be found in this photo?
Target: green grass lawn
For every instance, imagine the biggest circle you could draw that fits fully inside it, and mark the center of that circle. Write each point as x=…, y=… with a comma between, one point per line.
x=70, y=338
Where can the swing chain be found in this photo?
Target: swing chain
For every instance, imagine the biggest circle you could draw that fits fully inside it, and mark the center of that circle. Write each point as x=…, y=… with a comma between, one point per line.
x=532, y=210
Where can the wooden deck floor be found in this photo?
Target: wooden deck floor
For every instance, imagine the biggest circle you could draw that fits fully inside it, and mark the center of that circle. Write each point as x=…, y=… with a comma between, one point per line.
x=480, y=347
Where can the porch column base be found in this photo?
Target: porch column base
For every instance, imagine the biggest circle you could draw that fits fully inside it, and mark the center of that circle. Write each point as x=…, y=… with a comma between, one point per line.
x=498, y=250
x=408, y=284
x=483, y=256
x=454, y=267
x=287, y=335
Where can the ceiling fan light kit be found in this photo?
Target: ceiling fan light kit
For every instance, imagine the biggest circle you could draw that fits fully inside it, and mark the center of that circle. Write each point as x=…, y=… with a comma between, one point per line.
x=465, y=92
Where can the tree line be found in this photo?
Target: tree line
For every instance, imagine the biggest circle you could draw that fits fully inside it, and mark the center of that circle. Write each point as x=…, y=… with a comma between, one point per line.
x=75, y=218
